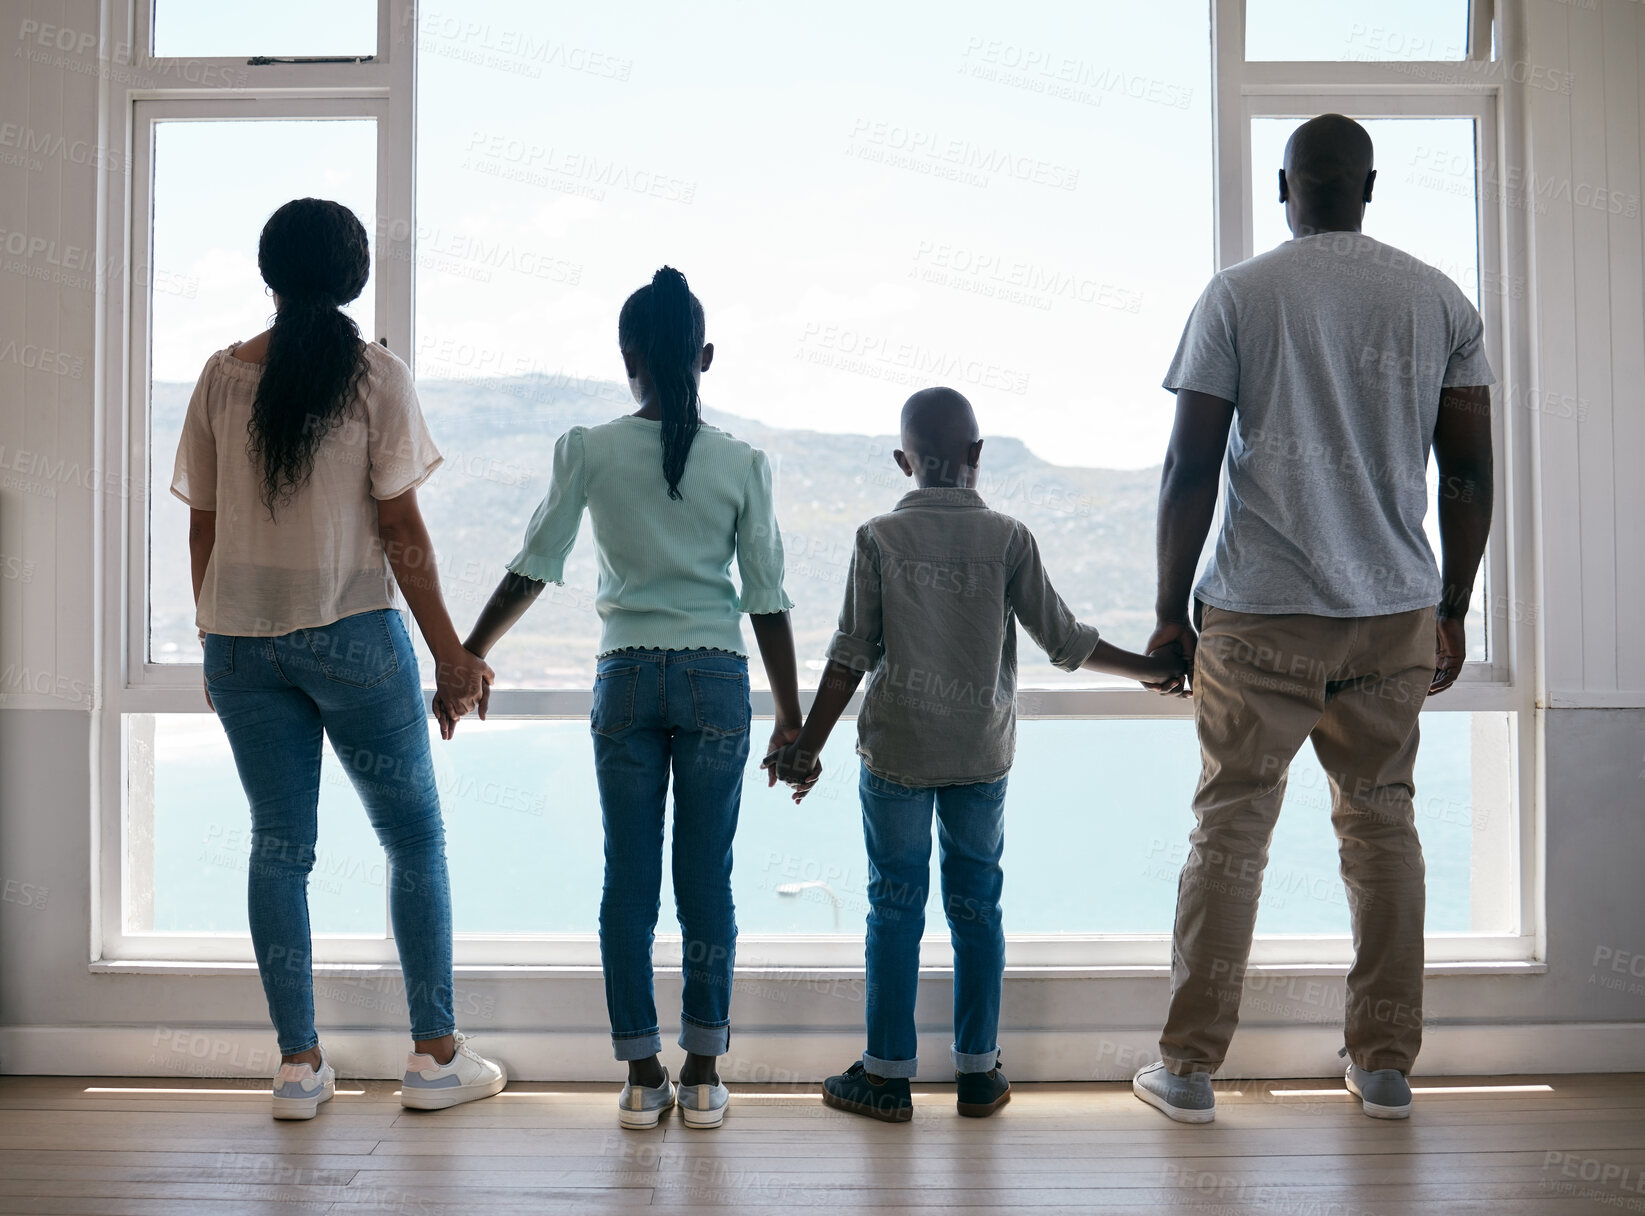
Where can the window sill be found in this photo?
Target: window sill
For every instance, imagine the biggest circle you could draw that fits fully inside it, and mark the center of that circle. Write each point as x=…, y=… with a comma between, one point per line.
x=485, y=971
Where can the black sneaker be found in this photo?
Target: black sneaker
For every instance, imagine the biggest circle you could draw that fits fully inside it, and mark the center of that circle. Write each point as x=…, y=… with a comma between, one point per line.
x=982, y=1093
x=861, y=1092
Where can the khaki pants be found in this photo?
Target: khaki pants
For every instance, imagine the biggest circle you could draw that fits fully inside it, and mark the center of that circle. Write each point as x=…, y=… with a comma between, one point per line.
x=1262, y=685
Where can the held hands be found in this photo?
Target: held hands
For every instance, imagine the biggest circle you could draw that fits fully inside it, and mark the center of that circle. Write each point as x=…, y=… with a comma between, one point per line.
x=786, y=762
x=462, y=682
x=1173, y=642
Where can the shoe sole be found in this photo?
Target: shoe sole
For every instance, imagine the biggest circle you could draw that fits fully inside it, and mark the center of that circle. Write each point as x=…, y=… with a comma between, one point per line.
x=900, y=1114
x=1178, y=1113
x=1375, y=1109
x=444, y=1099
x=303, y=1108
x=643, y=1120
x=702, y=1120
x=981, y=1110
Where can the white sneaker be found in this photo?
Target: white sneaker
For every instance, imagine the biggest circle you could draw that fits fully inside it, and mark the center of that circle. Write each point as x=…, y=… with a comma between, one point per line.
x=640, y=1107
x=299, y=1090
x=429, y=1085
x=703, y=1106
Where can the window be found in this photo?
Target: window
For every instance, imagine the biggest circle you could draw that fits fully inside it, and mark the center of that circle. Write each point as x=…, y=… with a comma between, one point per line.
x=1024, y=206
x=293, y=28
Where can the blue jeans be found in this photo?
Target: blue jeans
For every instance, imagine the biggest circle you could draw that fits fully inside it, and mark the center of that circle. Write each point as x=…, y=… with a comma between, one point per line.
x=657, y=712
x=896, y=822
x=357, y=681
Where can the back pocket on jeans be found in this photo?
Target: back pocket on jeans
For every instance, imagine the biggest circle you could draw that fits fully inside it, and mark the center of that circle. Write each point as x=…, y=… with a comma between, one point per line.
x=720, y=699
x=613, y=708
x=357, y=650
x=218, y=656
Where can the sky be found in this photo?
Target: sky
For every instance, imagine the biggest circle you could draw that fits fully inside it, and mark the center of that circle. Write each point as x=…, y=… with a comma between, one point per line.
x=1016, y=202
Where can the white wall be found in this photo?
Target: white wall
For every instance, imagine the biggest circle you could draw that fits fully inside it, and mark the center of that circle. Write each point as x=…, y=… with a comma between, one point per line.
x=1582, y=298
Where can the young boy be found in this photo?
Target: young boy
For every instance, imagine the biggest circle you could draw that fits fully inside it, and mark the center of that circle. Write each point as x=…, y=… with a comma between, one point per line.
x=931, y=604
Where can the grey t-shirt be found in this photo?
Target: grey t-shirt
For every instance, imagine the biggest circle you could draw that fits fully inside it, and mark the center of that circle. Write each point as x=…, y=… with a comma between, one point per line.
x=1333, y=349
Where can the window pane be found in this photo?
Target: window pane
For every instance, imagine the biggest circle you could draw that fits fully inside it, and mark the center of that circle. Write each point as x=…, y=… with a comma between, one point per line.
x=215, y=183
x=520, y=796
x=1091, y=861
x=189, y=828
x=861, y=217
x=206, y=29
x=1353, y=29
x=1424, y=203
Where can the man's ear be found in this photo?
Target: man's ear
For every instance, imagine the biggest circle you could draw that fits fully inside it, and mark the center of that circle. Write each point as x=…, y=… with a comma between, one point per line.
x=973, y=454
x=1370, y=180
x=1284, y=188
x=708, y=357
x=903, y=463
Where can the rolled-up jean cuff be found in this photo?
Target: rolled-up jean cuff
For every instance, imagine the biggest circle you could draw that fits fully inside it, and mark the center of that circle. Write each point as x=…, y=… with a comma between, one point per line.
x=1187, y=1068
x=891, y=1068
x=704, y=1040
x=636, y=1046
x=314, y=1041
x=418, y=1036
x=982, y=1061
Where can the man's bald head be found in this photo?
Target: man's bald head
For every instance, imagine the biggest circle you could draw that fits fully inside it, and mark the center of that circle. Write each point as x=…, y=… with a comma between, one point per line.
x=939, y=436
x=1328, y=163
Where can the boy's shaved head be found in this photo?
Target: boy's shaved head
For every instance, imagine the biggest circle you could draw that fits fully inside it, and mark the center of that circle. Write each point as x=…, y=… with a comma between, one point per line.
x=1328, y=158
x=938, y=422
x=940, y=442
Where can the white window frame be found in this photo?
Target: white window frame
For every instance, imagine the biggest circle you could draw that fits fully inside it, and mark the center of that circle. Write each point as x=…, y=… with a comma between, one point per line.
x=383, y=88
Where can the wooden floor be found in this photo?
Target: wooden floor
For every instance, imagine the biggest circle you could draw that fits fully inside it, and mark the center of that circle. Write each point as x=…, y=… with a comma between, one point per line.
x=124, y=1145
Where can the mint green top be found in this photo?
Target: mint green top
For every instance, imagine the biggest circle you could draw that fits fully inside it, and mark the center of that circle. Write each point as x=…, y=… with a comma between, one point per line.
x=665, y=564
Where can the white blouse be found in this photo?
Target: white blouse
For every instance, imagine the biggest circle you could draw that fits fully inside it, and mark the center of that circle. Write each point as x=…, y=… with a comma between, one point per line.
x=319, y=558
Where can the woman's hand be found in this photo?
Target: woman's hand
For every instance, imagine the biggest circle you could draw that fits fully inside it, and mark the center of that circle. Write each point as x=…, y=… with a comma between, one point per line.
x=462, y=681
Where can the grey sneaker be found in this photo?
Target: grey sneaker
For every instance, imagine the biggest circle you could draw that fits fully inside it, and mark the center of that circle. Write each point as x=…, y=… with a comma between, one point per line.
x=639, y=1107
x=1186, y=1099
x=299, y=1090
x=1385, y=1094
x=703, y=1106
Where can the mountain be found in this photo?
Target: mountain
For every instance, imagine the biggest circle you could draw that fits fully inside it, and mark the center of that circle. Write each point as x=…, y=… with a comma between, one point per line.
x=1095, y=526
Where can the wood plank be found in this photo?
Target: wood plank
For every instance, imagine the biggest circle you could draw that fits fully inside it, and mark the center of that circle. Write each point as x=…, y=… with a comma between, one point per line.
x=1056, y=1148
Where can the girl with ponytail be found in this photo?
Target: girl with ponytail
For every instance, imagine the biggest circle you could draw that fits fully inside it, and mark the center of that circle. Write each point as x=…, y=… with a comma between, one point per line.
x=300, y=457
x=673, y=500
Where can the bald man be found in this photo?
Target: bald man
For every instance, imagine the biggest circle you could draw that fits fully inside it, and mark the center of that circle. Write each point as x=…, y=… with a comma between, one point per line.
x=1322, y=373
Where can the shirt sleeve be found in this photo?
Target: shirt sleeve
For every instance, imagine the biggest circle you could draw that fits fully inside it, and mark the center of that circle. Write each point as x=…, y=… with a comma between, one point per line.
x=398, y=443
x=760, y=545
x=194, y=476
x=1468, y=364
x=859, y=643
x=1207, y=358
x=1029, y=593
x=553, y=529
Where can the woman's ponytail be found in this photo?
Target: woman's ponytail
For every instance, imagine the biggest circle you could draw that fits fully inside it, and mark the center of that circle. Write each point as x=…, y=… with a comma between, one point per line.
x=315, y=257
x=663, y=323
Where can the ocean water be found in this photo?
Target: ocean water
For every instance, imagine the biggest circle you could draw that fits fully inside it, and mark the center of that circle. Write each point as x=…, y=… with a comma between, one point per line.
x=1097, y=822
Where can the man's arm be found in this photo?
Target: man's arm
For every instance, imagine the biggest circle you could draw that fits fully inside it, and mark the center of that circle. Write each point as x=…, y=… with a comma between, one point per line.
x=1462, y=454
x=1187, y=504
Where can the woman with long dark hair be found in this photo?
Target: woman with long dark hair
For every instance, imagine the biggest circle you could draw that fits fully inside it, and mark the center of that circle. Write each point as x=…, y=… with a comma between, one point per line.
x=300, y=458
x=673, y=501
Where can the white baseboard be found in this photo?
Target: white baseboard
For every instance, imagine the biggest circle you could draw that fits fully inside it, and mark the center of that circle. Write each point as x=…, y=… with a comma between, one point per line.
x=786, y=1056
